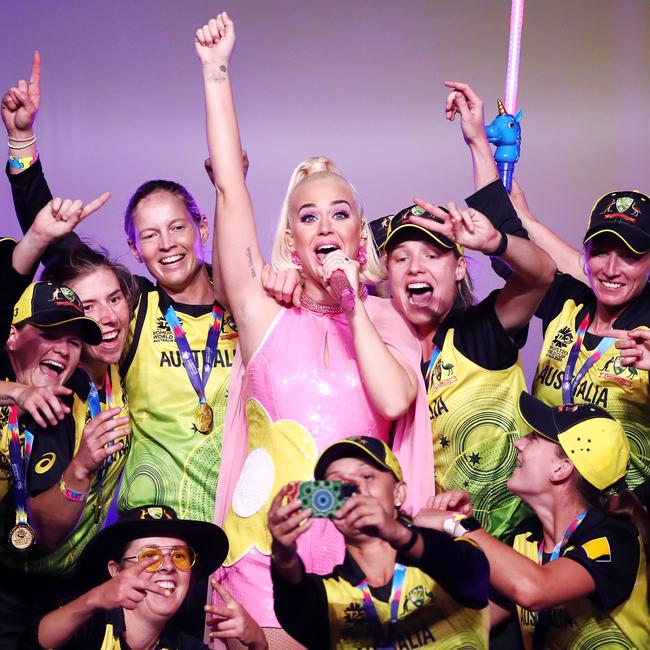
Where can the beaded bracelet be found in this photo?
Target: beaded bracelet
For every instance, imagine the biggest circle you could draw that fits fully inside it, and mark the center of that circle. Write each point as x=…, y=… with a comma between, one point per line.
x=71, y=495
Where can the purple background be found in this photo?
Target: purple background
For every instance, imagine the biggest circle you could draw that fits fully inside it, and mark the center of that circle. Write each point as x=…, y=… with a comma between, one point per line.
x=358, y=80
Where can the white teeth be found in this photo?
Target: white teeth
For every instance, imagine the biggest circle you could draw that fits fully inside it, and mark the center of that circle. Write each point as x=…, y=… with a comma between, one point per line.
x=326, y=248
x=171, y=259
x=418, y=285
x=611, y=285
x=54, y=365
x=110, y=336
x=167, y=584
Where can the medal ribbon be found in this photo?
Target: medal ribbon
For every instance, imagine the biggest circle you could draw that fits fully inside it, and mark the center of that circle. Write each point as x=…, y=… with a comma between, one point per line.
x=569, y=381
x=435, y=353
x=198, y=384
x=95, y=409
x=384, y=642
x=19, y=465
x=544, y=616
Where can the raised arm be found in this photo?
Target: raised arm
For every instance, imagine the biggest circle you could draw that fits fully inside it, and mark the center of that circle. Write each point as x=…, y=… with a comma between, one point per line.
x=566, y=257
x=235, y=239
x=532, y=269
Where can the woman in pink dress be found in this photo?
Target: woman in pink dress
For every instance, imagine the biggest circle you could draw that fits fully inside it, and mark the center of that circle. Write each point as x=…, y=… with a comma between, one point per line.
x=307, y=375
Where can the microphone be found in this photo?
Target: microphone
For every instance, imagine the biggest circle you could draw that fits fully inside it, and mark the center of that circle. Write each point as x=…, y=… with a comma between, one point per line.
x=343, y=290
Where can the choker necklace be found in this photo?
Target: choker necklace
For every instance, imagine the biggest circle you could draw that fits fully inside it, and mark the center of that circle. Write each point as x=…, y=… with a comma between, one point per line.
x=330, y=310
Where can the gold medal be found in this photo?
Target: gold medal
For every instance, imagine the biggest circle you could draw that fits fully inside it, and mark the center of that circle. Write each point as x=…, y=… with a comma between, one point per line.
x=203, y=418
x=22, y=536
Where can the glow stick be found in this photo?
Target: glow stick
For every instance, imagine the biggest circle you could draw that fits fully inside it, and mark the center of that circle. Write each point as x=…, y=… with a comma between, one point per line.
x=514, y=49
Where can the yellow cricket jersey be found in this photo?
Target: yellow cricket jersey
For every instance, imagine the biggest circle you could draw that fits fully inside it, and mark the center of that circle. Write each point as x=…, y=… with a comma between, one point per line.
x=617, y=614
x=53, y=449
x=170, y=461
x=623, y=392
x=473, y=393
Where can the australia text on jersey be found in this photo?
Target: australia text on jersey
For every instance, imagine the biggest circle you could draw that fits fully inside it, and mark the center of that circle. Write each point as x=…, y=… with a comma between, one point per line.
x=172, y=358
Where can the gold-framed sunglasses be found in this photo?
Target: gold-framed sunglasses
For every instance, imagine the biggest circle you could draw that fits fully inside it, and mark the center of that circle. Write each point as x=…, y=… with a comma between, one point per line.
x=183, y=557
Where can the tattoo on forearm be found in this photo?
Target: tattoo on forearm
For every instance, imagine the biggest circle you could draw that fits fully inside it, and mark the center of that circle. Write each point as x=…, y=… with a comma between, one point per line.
x=251, y=266
x=221, y=76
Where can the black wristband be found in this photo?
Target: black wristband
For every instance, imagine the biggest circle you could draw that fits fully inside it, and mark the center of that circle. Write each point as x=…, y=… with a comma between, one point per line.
x=407, y=546
x=501, y=248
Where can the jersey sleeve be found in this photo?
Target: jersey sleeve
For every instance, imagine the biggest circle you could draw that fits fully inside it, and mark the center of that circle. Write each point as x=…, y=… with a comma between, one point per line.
x=479, y=336
x=458, y=565
x=611, y=555
x=494, y=202
x=13, y=285
x=301, y=609
x=52, y=452
x=563, y=288
x=31, y=193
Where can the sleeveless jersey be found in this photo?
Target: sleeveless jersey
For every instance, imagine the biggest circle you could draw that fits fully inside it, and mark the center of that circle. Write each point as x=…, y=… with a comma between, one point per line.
x=170, y=461
x=581, y=624
x=474, y=417
x=428, y=617
x=623, y=391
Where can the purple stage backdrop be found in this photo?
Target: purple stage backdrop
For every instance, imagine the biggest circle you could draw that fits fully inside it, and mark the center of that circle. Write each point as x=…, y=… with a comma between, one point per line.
x=357, y=80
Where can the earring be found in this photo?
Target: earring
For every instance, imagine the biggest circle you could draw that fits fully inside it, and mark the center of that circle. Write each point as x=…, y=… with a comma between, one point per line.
x=11, y=347
x=295, y=259
x=362, y=258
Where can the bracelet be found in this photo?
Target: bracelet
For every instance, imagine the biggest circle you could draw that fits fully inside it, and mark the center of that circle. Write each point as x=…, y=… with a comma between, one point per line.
x=31, y=137
x=71, y=495
x=410, y=543
x=286, y=565
x=501, y=248
x=22, y=163
x=25, y=145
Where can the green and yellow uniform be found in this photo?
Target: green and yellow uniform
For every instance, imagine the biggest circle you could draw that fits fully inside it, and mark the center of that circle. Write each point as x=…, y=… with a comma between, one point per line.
x=171, y=462
x=616, y=615
x=442, y=602
x=623, y=392
x=473, y=391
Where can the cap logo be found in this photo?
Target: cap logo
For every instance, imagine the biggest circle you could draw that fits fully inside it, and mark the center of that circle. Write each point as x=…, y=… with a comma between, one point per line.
x=154, y=513
x=63, y=296
x=621, y=205
x=416, y=210
x=567, y=408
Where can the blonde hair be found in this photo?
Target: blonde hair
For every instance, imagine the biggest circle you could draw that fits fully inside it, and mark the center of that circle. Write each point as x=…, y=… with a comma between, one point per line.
x=309, y=170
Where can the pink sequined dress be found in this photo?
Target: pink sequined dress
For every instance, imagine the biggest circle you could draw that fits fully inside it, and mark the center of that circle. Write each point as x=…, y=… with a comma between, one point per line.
x=300, y=392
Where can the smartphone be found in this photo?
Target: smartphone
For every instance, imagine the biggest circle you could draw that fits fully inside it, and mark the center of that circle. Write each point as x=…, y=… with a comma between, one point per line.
x=323, y=497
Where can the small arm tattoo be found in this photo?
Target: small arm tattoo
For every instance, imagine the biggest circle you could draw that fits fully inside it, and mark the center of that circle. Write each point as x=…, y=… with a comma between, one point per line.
x=251, y=266
x=221, y=76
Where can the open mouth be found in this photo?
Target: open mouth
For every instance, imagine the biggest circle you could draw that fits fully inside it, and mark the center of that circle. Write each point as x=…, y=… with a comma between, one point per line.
x=51, y=368
x=171, y=259
x=611, y=285
x=419, y=293
x=168, y=585
x=325, y=249
x=110, y=337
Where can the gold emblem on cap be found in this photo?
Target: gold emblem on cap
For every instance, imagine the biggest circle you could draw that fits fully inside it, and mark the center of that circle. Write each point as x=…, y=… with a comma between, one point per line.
x=203, y=418
x=22, y=536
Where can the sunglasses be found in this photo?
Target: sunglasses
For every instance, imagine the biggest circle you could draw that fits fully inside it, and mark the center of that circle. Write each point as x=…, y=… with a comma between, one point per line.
x=182, y=557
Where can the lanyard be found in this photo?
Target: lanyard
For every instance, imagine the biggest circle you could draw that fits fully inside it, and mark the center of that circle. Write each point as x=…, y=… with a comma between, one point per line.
x=570, y=381
x=435, y=353
x=384, y=642
x=204, y=412
x=544, y=616
x=22, y=536
x=95, y=409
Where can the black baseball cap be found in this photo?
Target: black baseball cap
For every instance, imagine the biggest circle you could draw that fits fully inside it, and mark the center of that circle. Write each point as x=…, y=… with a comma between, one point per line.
x=48, y=304
x=395, y=229
x=625, y=215
x=363, y=447
x=592, y=439
x=208, y=540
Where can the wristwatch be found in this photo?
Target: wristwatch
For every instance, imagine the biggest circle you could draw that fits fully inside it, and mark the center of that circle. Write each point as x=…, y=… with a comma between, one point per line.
x=410, y=543
x=457, y=525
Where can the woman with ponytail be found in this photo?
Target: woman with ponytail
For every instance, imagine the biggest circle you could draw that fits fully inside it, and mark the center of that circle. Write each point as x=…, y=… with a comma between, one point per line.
x=313, y=374
x=576, y=575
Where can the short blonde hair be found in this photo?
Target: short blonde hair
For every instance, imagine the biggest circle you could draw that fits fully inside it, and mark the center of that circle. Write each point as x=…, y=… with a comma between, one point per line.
x=309, y=170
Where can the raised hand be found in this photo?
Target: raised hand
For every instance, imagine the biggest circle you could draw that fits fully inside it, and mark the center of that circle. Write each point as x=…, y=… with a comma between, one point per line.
x=232, y=621
x=43, y=403
x=339, y=261
x=464, y=101
x=468, y=227
x=634, y=346
x=22, y=101
x=126, y=589
x=215, y=41
x=284, y=286
x=364, y=514
x=287, y=522
x=96, y=443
